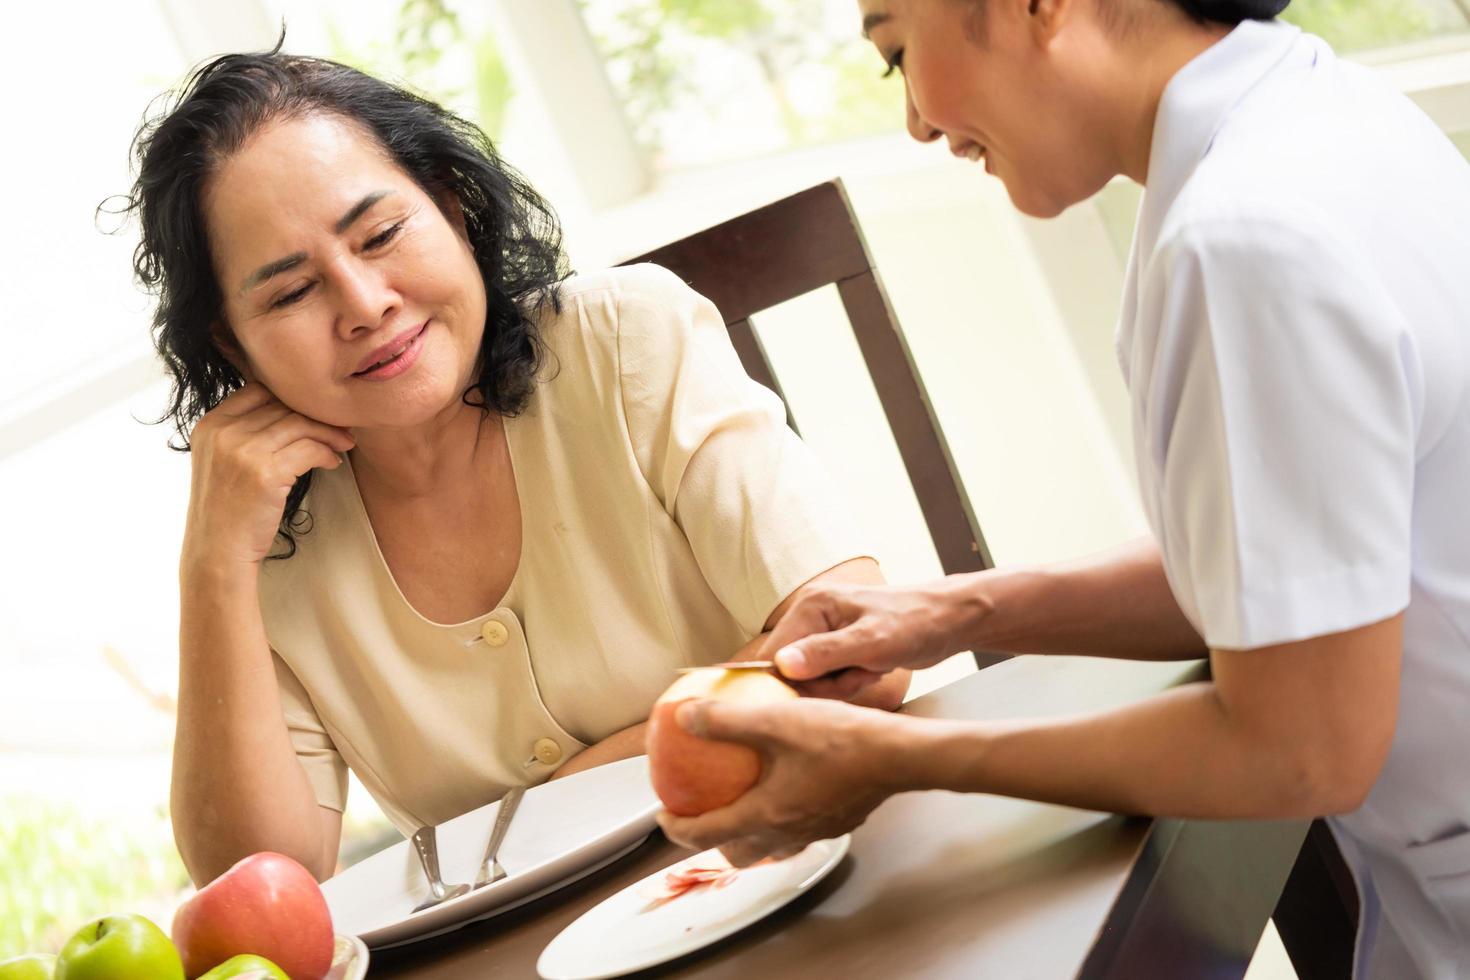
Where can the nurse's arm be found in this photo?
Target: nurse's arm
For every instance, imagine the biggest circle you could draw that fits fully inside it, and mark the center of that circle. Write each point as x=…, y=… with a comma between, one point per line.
x=1296, y=730
x=1116, y=603
x=886, y=693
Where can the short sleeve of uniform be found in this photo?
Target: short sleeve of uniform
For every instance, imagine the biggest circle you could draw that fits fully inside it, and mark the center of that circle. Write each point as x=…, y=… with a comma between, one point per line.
x=758, y=510
x=314, y=747
x=1283, y=419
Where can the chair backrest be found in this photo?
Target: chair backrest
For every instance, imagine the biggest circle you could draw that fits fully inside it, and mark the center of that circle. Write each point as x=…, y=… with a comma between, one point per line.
x=802, y=243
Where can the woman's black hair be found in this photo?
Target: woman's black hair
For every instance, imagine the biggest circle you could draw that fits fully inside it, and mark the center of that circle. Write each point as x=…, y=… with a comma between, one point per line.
x=1233, y=11
x=514, y=234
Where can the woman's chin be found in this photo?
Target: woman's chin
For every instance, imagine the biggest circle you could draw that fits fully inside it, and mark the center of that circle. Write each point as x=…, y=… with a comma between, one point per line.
x=406, y=408
x=413, y=410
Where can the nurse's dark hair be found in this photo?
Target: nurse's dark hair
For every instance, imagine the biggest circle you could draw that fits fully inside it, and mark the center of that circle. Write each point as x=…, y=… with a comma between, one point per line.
x=1125, y=14
x=514, y=234
x=1232, y=11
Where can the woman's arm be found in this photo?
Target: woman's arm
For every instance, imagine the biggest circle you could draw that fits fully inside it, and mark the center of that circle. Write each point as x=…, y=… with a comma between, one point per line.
x=1297, y=730
x=238, y=787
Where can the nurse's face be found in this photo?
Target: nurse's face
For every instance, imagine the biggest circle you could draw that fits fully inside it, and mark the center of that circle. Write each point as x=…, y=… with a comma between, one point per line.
x=1002, y=82
x=347, y=292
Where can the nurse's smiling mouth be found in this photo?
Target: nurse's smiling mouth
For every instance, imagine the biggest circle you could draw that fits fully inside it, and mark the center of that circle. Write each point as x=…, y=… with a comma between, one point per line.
x=972, y=150
x=394, y=357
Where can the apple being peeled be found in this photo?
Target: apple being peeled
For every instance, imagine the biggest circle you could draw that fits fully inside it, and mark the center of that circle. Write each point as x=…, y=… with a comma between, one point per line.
x=119, y=947
x=267, y=904
x=693, y=775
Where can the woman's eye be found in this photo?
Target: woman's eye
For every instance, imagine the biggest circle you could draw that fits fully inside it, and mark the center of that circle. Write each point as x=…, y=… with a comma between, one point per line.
x=895, y=63
x=292, y=296
x=383, y=237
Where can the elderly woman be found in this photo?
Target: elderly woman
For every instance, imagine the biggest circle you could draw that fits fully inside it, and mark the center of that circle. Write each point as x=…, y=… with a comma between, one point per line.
x=455, y=519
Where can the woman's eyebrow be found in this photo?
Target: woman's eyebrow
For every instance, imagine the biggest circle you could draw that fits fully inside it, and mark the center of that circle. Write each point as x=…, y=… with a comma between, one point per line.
x=272, y=269
x=357, y=210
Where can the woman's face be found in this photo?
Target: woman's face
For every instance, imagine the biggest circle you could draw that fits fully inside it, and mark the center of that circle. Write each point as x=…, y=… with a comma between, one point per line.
x=349, y=293
x=1008, y=96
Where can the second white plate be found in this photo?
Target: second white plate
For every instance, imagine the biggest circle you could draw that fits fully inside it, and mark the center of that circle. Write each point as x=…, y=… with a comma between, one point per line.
x=632, y=930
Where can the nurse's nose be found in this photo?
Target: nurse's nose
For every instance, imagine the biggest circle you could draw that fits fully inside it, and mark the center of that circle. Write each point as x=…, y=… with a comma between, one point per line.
x=919, y=127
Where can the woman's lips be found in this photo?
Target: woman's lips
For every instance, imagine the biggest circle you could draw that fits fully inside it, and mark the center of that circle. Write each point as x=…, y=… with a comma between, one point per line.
x=399, y=364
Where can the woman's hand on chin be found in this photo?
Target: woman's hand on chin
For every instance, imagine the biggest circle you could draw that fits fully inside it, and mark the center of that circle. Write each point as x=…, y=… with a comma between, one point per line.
x=247, y=453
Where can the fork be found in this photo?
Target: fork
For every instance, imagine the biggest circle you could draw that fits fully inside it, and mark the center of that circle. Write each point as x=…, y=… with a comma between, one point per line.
x=490, y=869
x=426, y=843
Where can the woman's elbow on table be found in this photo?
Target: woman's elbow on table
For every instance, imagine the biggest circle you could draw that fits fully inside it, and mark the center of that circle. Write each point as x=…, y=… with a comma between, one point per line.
x=208, y=853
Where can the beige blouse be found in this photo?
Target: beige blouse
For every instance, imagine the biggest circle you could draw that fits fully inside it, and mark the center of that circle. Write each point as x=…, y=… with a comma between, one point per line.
x=666, y=510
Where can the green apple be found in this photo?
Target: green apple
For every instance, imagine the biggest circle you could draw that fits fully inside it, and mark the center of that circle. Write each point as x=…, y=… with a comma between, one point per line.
x=119, y=947
x=246, y=966
x=32, y=966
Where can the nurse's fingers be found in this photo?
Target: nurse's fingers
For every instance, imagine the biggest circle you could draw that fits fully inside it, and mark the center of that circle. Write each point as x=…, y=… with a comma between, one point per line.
x=727, y=721
x=822, y=654
x=745, y=851
x=842, y=686
x=711, y=829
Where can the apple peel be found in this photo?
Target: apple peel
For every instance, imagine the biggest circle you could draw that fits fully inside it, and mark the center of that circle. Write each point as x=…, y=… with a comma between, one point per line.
x=683, y=880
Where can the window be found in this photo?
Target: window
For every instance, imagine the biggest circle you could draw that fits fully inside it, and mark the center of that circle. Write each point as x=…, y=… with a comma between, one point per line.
x=706, y=81
x=1358, y=25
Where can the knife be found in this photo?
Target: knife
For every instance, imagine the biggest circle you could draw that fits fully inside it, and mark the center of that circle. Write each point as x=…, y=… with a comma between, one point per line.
x=733, y=665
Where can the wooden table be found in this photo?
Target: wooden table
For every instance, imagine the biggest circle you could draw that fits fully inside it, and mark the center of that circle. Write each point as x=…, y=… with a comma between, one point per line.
x=945, y=885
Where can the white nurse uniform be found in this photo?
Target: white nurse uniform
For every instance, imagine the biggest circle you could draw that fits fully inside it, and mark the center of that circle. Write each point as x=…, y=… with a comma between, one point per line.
x=1296, y=340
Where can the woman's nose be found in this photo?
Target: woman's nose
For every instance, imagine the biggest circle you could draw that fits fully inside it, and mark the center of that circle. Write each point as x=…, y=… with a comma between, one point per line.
x=365, y=299
x=919, y=127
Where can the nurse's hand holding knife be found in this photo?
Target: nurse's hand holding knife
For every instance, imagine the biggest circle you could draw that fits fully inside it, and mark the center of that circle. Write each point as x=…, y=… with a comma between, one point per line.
x=1295, y=338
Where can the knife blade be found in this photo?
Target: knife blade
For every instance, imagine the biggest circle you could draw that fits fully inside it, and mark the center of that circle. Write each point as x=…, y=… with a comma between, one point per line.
x=733, y=665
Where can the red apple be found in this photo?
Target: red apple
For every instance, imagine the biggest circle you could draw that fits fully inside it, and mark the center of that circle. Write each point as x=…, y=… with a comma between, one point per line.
x=693, y=775
x=267, y=904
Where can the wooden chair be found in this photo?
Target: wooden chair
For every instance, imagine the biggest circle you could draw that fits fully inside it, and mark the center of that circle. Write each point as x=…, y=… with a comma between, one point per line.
x=802, y=243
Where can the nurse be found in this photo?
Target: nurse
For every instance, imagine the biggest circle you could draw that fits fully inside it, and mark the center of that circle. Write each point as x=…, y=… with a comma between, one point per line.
x=1295, y=337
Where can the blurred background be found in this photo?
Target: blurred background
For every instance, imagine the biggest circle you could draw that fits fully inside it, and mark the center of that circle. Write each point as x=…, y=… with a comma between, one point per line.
x=641, y=121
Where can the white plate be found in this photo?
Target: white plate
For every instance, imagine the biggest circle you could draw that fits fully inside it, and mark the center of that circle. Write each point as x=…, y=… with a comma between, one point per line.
x=628, y=932
x=564, y=830
x=349, y=960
